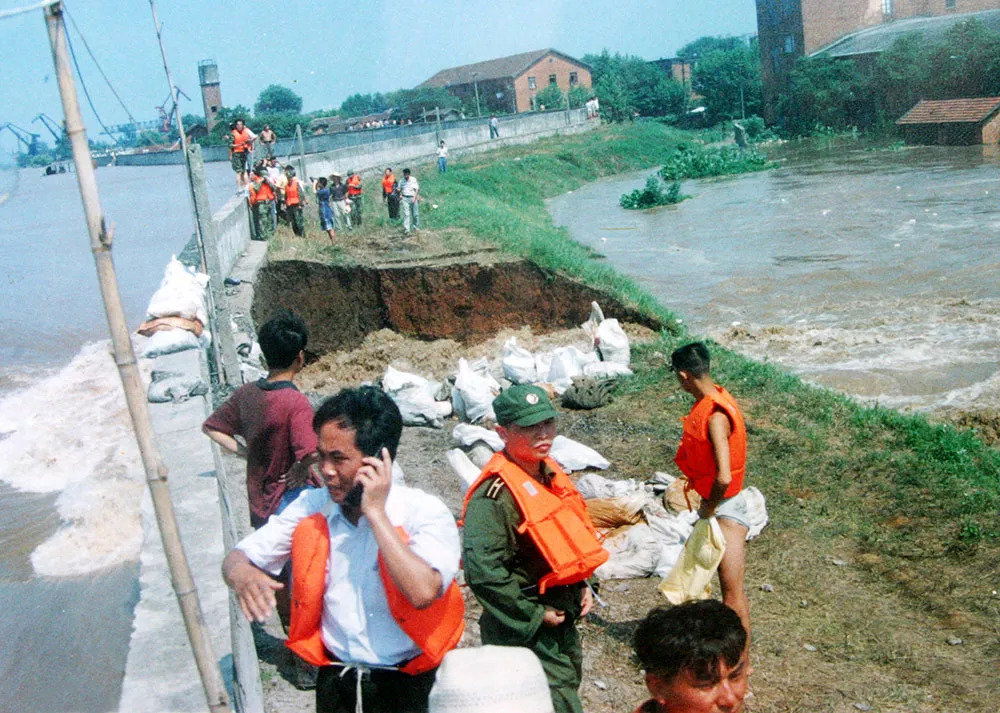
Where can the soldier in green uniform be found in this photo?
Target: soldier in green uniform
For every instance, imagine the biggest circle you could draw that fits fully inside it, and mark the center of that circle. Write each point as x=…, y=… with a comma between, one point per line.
x=529, y=578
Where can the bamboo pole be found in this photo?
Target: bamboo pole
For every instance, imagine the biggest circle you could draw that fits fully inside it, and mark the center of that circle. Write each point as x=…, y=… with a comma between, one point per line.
x=156, y=472
x=226, y=361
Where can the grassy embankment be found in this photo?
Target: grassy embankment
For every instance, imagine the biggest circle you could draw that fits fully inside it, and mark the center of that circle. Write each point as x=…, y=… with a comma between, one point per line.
x=885, y=533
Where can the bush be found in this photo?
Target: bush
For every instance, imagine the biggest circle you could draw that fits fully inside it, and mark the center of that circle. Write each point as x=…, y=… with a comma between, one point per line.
x=652, y=195
x=699, y=162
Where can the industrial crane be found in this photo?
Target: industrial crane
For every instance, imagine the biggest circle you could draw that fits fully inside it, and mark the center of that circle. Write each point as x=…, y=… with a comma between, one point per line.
x=24, y=136
x=166, y=117
x=56, y=129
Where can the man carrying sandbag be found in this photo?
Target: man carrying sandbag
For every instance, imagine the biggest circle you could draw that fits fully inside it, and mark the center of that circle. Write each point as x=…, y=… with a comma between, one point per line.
x=712, y=455
x=530, y=546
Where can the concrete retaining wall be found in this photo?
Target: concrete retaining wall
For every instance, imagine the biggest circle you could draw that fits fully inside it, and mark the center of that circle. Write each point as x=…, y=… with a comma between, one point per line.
x=459, y=133
x=232, y=232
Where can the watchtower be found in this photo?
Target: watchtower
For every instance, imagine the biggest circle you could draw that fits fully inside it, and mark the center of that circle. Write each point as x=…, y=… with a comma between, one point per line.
x=211, y=95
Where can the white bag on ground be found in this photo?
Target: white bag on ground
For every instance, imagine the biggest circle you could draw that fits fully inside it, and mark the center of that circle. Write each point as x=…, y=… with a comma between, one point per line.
x=595, y=485
x=473, y=393
x=612, y=342
x=414, y=395
x=518, y=363
x=181, y=294
x=634, y=553
x=464, y=468
x=564, y=366
x=572, y=455
x=467, y=434
x=591, y=325
x=691, y=577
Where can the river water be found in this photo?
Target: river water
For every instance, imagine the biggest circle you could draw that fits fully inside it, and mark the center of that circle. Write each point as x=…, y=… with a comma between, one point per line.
x=70, y=476
x=876, y=273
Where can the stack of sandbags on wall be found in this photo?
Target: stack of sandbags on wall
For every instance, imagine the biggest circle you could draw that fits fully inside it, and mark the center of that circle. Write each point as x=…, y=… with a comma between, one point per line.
x=177, y=313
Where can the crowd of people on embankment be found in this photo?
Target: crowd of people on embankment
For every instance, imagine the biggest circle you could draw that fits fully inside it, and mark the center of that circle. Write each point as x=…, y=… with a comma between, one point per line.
x=362, y=569
x=275, y=193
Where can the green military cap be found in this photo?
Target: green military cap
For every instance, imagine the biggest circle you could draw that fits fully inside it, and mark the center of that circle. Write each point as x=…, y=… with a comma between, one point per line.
x=523, y=405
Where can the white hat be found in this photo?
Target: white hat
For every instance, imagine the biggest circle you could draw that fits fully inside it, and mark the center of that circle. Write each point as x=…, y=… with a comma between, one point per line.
x=491, y=679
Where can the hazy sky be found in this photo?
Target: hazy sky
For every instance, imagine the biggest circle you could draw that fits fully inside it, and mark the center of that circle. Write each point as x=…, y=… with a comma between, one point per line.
x=323, y=51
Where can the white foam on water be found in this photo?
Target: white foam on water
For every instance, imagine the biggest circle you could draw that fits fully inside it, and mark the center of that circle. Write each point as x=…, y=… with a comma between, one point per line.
x=71, y=432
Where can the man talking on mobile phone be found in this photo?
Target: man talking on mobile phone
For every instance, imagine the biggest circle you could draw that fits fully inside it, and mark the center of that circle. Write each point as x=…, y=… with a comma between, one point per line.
x=374, y=601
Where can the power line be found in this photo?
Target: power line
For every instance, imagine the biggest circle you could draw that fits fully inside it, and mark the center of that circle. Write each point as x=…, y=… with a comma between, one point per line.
x=97, y=64
x=85, y=92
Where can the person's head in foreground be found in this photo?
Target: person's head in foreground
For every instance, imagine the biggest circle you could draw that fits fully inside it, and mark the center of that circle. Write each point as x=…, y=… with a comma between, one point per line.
x=526, y=422
x=694, y=655
x=691, y=363
x=490, y=679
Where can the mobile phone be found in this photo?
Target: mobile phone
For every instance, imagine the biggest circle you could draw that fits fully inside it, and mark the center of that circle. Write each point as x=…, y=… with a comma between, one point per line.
x=354, y=495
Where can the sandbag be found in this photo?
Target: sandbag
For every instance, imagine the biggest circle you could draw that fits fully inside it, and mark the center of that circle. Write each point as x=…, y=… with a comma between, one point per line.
x=564, y=366
x=473, y=393
x=171, y=341
x=609, y=513
x=166, y=386
x=691, y=577
x=612, y=342
x=181, y=294
x=414, y=395
x=595, y=485
x=606, y=370
x=572, y=455
x=464, y=468
x=633, y=553
x=467, y=434
x=518, y=363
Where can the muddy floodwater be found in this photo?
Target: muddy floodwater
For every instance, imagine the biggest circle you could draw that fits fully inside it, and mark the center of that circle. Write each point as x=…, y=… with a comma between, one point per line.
x=876, y=273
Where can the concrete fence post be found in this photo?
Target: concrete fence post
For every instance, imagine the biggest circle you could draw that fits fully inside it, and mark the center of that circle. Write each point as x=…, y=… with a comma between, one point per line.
x=218, y=311
x=300, y=144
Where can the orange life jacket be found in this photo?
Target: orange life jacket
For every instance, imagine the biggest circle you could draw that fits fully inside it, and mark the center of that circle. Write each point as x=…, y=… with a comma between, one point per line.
x=264, y=193
x=555, y=517
x=436, y=630
x=241, y=140
x=354, y=185
x=695, y=456
x=387, y=182
x=292, y=192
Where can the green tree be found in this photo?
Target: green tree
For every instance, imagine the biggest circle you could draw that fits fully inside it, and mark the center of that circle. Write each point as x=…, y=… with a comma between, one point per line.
x=578, y=96
x=411, y=103
x=706, y=45
x=615, y=102
x=966, y=63
x=276, y=99
x=729, y=81
x=551, y=97
x=823, y=92
x=361, y=104
x=900, y=75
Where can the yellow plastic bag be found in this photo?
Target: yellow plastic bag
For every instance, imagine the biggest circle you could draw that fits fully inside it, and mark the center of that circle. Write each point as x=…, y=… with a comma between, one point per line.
x=691, y=577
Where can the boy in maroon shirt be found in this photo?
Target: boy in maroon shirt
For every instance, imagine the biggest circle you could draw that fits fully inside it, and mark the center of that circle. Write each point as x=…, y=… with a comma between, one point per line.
x=274, y=419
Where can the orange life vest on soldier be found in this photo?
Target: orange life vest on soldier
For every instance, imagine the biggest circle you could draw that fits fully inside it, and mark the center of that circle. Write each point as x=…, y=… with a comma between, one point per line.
x=354, y=185
x=555, y=517
x=292, y=192
x=264, y=193
x=695, y=456
x=436, y=630
x=241, y=140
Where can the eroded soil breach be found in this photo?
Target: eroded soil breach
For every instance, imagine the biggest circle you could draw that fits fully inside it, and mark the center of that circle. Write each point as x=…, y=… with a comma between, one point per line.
x=466, y=302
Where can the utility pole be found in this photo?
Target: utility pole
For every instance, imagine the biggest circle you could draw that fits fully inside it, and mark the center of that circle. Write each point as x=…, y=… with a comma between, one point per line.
x=475, y=82
x=135, y=393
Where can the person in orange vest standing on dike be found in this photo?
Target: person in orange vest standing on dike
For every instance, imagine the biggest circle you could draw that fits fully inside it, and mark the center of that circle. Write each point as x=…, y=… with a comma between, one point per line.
x=374, y=599
x=261, y=196
x=354, y=196
x=529, y=545
x=295, y=198
x=712, y=454
x=240, y=145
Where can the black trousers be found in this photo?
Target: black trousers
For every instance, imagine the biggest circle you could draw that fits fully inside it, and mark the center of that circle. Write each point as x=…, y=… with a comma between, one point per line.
x=382, y=691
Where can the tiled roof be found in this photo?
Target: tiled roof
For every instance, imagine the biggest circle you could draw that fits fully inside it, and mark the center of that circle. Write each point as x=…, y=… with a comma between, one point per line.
x=879, y=38
x=502, y=68
x=950, y=111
